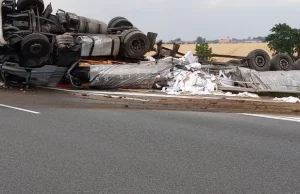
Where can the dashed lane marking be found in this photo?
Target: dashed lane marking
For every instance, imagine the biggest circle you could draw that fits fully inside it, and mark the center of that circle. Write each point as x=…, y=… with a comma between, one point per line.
x=294, y=119
x=19, y=109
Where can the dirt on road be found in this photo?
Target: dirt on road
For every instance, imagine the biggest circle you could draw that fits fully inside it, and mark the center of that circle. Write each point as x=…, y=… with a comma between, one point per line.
x=50, y=98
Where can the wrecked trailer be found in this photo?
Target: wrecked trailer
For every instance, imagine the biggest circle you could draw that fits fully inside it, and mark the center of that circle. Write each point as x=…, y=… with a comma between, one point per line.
x=257, y=59
x=36, y=44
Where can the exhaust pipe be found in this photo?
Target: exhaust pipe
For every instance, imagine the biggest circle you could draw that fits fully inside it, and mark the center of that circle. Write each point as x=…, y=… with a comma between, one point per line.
x=2, y=40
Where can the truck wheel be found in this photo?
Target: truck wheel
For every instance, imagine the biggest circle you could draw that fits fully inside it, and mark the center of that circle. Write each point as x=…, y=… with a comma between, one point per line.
x=282, y=62
x=126, y=32
x=136, y=44
x=297, y=65
x=121, y=23
x=113, y=20
x=123, y=36
x=23, y=5
x=35, y=45
x=259, y=60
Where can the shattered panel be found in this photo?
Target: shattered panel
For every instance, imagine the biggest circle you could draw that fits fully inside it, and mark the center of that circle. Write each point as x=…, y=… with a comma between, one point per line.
x=48, y=75
x=268, y=80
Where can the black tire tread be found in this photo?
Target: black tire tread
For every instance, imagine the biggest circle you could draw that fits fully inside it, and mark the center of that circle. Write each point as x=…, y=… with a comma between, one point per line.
x=121, y=22
x=125, y=33
x=22, y=5
x=251, y=61
x=113, y=20
x=275, y=62
x=132, y=35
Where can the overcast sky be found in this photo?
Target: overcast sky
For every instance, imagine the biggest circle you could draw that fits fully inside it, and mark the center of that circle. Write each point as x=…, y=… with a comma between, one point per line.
x=188, y=19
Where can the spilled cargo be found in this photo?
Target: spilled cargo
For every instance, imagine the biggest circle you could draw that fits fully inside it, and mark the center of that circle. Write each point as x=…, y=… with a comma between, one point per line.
x=40, y=48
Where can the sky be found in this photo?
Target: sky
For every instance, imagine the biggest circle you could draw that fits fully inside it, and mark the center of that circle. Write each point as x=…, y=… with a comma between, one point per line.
x=188, y=19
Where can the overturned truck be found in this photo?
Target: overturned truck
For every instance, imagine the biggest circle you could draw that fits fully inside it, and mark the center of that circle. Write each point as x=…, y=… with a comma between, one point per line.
x=36, y=44
x=41, y=48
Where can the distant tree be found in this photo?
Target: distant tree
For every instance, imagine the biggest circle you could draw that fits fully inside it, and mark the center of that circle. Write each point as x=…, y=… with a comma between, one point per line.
x=200, y=40
x=284, y=39
x=260, y=38
x=176, y=40
x=297, y=44
x=202, y=50
x=215, y=41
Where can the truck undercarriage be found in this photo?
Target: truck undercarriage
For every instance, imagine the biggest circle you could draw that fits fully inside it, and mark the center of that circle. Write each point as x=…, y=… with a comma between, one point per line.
x=32, y=38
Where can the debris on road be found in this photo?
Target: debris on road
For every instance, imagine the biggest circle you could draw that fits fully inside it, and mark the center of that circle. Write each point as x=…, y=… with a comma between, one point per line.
x=247, y=95
x=290, y=99
x=241, y=95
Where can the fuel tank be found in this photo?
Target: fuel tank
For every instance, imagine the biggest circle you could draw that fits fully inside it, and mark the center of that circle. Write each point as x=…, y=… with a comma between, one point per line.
x=99, y=45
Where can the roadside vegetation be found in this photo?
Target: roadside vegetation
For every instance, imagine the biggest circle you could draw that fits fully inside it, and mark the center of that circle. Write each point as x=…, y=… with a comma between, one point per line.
x=203, y=49
x=284, y=39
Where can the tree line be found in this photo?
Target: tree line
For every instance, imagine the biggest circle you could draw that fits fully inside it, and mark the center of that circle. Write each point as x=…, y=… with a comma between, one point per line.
x=282, y=39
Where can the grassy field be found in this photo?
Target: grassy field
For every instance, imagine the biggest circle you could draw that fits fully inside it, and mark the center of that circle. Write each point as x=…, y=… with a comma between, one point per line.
x=227, y=49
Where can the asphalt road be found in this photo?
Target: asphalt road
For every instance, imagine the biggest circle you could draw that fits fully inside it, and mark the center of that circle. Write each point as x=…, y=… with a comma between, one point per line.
x=87, y=150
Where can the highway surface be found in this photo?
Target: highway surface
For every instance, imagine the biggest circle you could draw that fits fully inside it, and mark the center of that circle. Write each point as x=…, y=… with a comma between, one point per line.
x=62, y=149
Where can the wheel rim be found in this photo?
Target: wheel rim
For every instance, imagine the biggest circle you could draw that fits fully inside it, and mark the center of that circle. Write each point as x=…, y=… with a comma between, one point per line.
x=36, y=48
x=260, y=61
x=137, y=45
x=284, y=64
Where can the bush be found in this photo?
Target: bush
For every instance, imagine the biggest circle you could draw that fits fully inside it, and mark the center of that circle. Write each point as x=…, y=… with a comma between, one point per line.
x=202, y=50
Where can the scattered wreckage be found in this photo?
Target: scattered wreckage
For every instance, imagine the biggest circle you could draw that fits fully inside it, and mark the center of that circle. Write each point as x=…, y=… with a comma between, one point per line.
x=45, y=49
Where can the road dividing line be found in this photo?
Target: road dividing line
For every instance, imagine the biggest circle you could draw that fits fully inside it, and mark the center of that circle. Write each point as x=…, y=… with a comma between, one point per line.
x=295, y=119
x=20, y=109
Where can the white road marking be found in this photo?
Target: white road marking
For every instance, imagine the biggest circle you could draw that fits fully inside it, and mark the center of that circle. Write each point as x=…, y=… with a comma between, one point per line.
x=295, y=119
x=20, y=109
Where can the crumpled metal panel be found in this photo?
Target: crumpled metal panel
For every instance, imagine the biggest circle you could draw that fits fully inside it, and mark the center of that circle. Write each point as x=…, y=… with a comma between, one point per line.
x=134, y=76
x=268, y=80
x=117, y=44
x=49, y=75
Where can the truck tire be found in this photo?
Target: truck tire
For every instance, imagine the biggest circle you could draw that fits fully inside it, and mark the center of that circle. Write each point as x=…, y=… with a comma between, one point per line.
x=113, y=20
x=282, y=62
x=121, y=23
x=136, y=44
x=123, y=36
x=297, y=65
x=23, y=5
x=259, y=60
x=35, y=45
x=126, y=32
